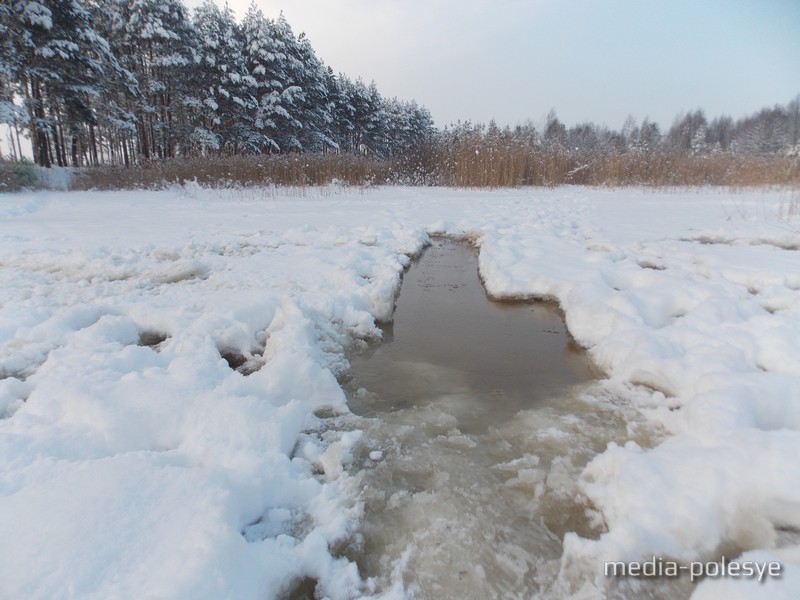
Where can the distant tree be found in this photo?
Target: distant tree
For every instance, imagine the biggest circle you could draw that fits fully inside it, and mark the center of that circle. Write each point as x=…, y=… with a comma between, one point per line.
x=720, y=133
x=649, y=136
x=555, y=133
x=793, y=114
x=683, y=135
x=630, y=132
x=766, y=132
x=583, y=140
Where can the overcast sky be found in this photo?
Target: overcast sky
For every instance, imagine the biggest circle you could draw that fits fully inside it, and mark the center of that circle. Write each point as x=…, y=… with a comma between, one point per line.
x=595, y=60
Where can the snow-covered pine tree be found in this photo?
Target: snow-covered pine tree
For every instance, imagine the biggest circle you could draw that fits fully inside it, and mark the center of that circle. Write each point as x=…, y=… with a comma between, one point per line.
x=316, y=103
x=11, y=114
x=155, y=41
x=362, y=107
x=422, y=125
x=115, y=110
x=224, y=115
x=341, y=92
x=398, y=126
x=64, y=67
x=407, y=125
x=288, y=71
x=122, y=81
x=374, y=123
x=266, y=60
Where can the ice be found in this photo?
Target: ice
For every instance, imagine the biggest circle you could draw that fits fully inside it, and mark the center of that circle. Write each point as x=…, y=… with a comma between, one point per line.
x=135, y=461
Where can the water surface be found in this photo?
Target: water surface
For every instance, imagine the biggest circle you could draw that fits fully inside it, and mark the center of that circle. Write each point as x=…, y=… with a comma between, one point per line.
x=447, y=336
x=477, y=424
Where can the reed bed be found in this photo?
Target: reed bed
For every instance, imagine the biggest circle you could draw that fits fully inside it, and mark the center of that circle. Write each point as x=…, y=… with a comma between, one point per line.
x=469, y=163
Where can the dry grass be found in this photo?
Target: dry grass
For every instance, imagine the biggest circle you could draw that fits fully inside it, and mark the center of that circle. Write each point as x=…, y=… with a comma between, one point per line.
x=475, y=163
x=470, y=162
x=296, y=170
x=664, y=170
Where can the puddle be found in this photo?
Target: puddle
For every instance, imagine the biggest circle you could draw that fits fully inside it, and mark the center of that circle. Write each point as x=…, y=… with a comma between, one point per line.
x=492, y=359
x=478, y=417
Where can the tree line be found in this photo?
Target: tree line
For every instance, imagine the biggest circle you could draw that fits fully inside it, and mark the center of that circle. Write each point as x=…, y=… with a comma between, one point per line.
x=118, y=82
x=769, y=132
x=125, y=82
x=763, y=148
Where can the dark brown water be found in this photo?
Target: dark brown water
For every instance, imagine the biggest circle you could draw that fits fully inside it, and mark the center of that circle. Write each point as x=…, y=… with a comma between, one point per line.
x=447, y=337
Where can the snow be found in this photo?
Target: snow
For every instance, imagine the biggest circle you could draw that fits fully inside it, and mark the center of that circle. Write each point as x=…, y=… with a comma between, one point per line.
x=137, y=461
x=36, y=13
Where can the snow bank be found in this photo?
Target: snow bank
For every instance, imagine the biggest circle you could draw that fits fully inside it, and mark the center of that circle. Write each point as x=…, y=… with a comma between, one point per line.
x=161, y=355
x=705, y=312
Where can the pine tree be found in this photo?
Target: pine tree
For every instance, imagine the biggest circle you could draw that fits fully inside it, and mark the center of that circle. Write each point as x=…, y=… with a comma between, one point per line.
x=375, y=123
x=115, y=110
x=342, y=94
x=315, y=109
x=288, y=74
x=156, y=42
x=65, y=67
x=10, y=70
x=267, y=62
x=406, y=125
x=128, y=81
x=362, y=109
x=225, y=112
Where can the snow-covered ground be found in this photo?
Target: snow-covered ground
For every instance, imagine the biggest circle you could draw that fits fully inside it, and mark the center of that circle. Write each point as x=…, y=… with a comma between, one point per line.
x=136, y=462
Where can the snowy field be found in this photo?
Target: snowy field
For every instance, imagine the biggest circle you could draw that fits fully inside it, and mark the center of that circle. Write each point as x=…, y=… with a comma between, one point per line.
x=161, y=354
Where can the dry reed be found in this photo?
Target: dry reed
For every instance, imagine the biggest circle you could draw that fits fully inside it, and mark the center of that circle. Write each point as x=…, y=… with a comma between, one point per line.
x=470, y=162
x=295, y=170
